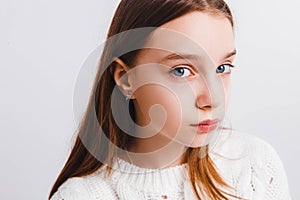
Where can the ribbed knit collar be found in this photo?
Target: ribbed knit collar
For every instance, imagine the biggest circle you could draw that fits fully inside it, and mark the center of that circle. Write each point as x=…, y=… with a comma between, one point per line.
x=168, y=180
x=125, y=166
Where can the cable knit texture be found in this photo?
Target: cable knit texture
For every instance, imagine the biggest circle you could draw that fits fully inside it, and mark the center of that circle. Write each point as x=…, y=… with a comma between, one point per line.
x=249, y=164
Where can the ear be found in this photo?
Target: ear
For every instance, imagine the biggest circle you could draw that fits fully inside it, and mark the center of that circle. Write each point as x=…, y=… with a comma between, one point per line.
x=122, y=77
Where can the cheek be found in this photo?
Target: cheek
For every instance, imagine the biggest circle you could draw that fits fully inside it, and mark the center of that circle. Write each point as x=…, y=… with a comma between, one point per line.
x=227, y=89
x=149, y=95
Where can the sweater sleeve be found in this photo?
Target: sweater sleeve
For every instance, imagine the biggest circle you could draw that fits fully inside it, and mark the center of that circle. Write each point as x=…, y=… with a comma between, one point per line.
x=277, y=182
x=269, y=180
x=72, y=189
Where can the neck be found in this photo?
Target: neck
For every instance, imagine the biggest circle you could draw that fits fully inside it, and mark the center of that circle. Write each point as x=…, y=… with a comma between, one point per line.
x=155, y=152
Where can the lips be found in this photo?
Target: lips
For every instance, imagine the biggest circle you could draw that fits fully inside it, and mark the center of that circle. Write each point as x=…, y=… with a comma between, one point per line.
x=208, y=122
x=207, y=125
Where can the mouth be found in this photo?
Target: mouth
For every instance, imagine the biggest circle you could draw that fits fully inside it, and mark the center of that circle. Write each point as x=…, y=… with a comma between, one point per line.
x=207, y=125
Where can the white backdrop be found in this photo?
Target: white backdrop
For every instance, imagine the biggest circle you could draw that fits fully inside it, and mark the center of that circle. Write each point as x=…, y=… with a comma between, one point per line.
x=44, y=43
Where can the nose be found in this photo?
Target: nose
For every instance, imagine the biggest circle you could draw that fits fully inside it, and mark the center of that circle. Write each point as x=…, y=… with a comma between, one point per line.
x=210, y=93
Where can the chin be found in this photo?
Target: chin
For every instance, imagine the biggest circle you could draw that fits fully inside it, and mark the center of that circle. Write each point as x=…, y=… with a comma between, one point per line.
x=200, y=140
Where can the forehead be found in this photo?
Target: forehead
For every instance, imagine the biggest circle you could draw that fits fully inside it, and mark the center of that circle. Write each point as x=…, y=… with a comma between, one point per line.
x=212, y=33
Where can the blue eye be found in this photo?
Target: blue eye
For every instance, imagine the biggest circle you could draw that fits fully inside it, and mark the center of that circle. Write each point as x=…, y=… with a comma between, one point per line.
x=224, y=68
x=181, y=71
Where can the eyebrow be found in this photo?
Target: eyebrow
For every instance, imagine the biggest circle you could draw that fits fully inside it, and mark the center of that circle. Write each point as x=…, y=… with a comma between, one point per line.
x=175, y=56
x=234, y=52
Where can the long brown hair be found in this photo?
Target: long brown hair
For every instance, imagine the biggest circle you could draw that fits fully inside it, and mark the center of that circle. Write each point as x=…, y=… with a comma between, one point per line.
x=132, y=14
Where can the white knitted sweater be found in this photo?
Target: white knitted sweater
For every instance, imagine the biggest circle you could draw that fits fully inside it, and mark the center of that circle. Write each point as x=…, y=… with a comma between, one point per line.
x=245, y=161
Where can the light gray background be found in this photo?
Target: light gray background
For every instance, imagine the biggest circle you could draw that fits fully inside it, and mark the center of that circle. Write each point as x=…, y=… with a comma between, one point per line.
x=44, y=43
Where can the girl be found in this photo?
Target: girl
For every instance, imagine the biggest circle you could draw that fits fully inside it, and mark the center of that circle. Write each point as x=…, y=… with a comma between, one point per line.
x=153, y=128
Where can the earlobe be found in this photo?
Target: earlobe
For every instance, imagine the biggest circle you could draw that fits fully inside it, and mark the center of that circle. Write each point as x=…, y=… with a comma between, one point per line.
x=121, y=77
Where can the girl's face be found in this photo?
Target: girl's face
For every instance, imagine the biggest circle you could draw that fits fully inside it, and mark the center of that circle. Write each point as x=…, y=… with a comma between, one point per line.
x=173, y=93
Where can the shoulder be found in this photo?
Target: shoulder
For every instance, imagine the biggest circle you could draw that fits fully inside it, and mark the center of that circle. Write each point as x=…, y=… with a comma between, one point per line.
x=246, y=151
x=90, y=187
x=257, y=162
x=238, y=143
x=233, y=147
x=74, y=188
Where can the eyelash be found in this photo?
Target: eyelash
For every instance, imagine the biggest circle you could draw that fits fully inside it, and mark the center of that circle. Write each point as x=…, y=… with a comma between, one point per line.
x=229, y=65
x=191, y=71
x=176, y=68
